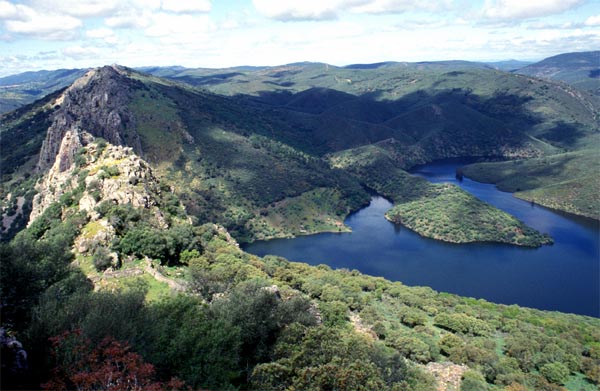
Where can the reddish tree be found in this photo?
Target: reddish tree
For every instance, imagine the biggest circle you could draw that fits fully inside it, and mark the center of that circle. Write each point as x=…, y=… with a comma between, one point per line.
x=110, y=366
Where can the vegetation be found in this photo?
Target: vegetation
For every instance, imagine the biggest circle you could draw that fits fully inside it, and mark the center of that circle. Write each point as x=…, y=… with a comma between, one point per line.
x=159, y=293
x=443, y=212
x=24, y=88
x=565, y=181
x=577, y=69
x=455, y=216
x=263, y=323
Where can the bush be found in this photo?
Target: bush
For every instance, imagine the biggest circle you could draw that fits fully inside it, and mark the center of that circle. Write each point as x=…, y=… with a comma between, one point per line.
x=555, y=372
x=473, y=381
x=102, y=259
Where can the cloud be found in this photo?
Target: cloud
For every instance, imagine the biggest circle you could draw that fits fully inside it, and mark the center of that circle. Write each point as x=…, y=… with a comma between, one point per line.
x=103, y=33
x=186, y=6
x=12, y=11
x=400, y=6
x=78, y=8
x=130, y=19
x=78, y=52
x=521, y=9
x=592, y=21
x=49, y=26
x=292, y=10
x=179, y=26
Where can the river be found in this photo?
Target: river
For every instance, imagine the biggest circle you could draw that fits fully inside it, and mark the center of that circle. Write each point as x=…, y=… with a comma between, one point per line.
x=563, y=277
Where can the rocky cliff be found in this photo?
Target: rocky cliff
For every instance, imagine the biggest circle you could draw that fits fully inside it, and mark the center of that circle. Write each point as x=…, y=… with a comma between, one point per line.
x=95, y=105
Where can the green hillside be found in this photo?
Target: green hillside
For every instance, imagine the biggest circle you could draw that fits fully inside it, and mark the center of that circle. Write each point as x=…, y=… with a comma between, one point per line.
x=579, y=69
x=566, y=181
x=186, y=300
x=247, y=165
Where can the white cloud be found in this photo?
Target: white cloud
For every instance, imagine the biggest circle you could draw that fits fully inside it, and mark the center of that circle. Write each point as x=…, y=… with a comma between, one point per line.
x=292, y=10
x=49, y=26
x=524, y=9
x=12, y=11
x=87, y=8
x=77, y=52
x=186, y=6
x=103, y=33
x=129, y=19
x=592, y=21
x=399, y=6
x=186, y=26
x=299, y=10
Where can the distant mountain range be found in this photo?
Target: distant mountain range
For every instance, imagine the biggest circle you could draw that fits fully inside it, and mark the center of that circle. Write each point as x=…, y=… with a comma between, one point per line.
x=578, y=69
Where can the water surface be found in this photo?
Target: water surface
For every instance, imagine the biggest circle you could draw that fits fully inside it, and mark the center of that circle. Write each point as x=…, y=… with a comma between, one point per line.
x=562, y=277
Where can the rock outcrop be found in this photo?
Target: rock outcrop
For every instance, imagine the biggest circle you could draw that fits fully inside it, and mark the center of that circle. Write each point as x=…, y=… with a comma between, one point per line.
x=94, y=105
x=108, y=173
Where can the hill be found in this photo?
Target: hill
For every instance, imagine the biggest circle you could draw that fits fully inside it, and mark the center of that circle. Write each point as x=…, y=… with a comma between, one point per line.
x=24, y=88
x=579, y=69
x=437, y=110
x=215, y=149
x=122, y=261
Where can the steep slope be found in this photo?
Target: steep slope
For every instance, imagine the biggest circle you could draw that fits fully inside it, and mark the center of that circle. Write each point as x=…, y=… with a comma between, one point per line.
x=579, y=69
x=440, y=110
x=567, y=181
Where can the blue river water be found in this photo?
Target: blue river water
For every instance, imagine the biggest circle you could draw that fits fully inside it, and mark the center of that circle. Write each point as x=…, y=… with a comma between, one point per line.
x=563, y=277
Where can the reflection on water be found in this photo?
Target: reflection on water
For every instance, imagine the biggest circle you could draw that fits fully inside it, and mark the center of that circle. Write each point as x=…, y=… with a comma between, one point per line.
x=563, y=277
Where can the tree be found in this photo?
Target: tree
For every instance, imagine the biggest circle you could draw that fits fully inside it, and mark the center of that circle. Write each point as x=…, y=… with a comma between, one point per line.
x=110, y=366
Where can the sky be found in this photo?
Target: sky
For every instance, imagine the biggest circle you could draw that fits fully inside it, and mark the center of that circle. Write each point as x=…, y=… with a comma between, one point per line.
x=53, y=34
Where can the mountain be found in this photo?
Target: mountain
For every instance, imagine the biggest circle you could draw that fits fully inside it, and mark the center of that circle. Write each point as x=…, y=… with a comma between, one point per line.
x=134, y=189
x=24, y=88
x=579, y=69
x=215, y=150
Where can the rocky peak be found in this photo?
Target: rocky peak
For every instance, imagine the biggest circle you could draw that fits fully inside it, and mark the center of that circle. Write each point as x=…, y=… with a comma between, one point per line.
x=95, y=105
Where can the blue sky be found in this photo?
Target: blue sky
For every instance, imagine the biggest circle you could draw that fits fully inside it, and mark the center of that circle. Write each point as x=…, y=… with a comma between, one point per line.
x=51, y=34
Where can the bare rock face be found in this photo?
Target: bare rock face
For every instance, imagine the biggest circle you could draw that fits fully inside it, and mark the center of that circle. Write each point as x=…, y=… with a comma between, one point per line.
x=94, y=105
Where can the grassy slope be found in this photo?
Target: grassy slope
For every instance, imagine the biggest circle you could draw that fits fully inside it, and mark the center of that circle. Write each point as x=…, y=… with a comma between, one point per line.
x=501, y=342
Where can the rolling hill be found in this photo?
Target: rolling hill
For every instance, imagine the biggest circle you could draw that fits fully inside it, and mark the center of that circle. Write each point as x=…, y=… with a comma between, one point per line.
x=579, y=69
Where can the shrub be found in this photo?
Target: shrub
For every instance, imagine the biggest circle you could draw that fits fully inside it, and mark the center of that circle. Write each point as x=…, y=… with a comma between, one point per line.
x=102, y=259
x=555, y=372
